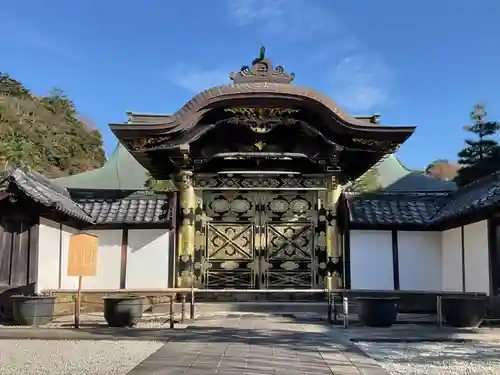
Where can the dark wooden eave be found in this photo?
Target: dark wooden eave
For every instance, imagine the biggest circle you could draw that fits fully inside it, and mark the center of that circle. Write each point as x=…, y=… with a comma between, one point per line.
x=25, y=184
x=262, y=86
x=176, y=127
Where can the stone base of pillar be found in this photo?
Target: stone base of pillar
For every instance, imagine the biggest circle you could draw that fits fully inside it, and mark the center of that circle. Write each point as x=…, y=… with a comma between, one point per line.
x=184, y=282
x=333, y=282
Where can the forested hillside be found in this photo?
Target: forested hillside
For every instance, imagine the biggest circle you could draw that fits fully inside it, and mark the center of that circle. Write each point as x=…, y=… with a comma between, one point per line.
x=45, y=133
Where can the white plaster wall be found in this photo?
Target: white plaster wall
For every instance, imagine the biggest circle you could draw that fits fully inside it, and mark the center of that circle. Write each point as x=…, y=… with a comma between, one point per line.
x=108, y=262
x=53, y=247
x=419, y=260
x=49, y=240
x=371, y=260
x=477, y=270
x=451, y=249
x=147, y=259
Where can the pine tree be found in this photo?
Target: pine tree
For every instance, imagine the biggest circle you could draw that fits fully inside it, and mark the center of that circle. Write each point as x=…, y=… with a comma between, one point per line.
x=481, y=157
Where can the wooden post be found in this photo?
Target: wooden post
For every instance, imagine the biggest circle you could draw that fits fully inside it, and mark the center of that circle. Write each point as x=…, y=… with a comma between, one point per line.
x=330, y=307
x=346, y=311
x=333, y=249
x=335, y=312
x=191, y=304
x=82, y=261
x=186, y=239
x=78, y=302
x=171, y=313
x=439, y=310
x=183, y=308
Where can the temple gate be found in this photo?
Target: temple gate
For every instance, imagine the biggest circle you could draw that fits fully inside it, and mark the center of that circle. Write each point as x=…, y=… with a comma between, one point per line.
x=259, y=165
x=261, y=237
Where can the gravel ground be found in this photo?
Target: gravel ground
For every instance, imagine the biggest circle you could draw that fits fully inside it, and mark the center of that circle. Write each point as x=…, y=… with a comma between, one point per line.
x=435, y=358
x=97, y=320
x=40, y=357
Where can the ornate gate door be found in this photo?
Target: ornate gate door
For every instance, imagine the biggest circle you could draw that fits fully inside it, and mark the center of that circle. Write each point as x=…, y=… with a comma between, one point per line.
x=287, y=245
x=259, y=239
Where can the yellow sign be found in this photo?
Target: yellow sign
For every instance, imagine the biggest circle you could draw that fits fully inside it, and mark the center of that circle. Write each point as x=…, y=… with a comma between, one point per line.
x=82, y=257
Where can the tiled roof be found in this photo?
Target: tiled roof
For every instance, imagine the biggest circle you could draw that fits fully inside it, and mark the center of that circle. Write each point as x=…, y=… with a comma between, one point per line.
x=423, y=209
x=136, y=208
x=476, y=196
x=394, y=209
x=39, y=189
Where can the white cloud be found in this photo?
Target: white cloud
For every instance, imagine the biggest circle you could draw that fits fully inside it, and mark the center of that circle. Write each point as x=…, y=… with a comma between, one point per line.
x=287, y=19
x=196, y=79
x=247, y=12
x=360, y=82
x=356, y=77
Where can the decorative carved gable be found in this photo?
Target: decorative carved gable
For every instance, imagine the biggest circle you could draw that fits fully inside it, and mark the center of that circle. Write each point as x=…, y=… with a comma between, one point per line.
x=262, y=70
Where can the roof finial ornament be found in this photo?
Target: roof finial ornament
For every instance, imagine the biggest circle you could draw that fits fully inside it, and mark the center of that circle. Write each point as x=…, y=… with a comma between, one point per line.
x=262, y=71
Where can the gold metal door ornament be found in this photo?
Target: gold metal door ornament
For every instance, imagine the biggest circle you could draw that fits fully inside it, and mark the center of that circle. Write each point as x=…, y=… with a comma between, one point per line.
x=260, y=239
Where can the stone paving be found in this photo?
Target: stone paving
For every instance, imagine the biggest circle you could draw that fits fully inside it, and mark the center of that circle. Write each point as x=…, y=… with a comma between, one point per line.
x=420, y=333
x=249, y=345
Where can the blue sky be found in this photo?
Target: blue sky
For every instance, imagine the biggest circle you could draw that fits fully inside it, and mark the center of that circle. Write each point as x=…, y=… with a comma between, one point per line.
x=417, y=62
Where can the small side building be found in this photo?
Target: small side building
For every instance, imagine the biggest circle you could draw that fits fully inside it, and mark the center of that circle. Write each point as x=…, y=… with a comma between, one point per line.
x=37, y=217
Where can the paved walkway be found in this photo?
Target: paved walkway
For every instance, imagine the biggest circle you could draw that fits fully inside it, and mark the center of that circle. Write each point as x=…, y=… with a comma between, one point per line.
x=422, y=333
x=244, y=345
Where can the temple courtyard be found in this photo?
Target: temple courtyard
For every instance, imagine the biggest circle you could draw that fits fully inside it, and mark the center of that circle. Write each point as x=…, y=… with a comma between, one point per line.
x=251, y=344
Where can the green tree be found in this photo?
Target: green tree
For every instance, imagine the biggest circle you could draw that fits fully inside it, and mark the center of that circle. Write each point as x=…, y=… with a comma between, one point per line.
x=442, y=169
x=45, y=133
x=11, y=87
x=481, y=157
x=433, y=163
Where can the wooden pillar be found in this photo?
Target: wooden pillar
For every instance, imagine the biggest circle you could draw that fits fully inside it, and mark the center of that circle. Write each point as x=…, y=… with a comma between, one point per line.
x=333, y=243
x=186, y=239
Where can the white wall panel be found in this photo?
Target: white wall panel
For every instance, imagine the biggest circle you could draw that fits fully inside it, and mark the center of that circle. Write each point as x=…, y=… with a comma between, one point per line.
x=419, y=257
x=147, y=259
x=477, y=270
x=451, y=248
x=371, y=260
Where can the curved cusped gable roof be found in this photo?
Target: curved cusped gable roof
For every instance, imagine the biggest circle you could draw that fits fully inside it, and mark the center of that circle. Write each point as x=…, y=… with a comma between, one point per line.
x=192, y=112
x=261, y=83
x=260, y=94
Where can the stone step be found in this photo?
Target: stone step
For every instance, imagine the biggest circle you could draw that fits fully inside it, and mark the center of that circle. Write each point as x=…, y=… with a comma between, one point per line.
x=256, y=296
x=207, y=308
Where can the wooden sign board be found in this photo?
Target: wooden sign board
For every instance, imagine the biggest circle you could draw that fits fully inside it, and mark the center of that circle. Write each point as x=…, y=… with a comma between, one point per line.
x=82, y=257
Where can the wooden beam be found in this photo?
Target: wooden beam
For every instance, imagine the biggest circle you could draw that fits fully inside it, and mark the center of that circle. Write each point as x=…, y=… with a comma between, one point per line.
x=172, y=257
x=6, y=253
x=395, y=259
x=494, y=264
x=123, y=263
x=347, y=259
x=33, y=253
x=462, y=239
